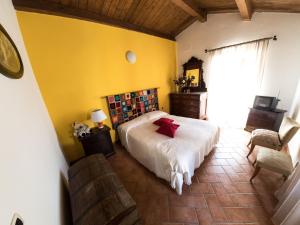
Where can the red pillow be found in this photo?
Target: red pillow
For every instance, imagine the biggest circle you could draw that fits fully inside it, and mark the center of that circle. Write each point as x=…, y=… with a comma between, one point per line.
x=162, y=120
x=168, y=129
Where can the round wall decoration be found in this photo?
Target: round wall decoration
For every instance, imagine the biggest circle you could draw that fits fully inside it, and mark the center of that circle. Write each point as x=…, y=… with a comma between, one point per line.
x=131, y=57
x=10, y=60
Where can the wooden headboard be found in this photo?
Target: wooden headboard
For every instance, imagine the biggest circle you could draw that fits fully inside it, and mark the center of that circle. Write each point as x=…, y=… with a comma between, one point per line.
x=127, y=106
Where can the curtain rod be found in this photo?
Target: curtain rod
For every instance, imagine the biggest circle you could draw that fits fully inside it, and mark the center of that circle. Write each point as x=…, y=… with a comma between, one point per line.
x=247, y=42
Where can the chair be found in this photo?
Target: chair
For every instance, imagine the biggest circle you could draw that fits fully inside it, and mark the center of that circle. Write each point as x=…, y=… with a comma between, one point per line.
x=272, y=139
x=276, y=161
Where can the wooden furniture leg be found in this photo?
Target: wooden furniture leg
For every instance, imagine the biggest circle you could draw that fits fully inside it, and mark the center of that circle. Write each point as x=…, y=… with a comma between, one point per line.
x=249, y=142
x=256, y=171
x=251, y=150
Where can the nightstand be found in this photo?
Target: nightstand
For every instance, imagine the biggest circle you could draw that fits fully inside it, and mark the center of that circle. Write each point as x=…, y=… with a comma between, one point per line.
x=99, y=141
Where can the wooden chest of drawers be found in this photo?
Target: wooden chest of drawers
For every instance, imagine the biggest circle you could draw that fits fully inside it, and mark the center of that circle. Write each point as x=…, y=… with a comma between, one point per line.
x=191, y=105
x=261, y=119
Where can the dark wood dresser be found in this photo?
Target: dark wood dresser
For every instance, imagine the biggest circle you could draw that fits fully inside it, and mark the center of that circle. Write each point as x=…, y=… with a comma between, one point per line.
x=191, y=105
x=262, y=119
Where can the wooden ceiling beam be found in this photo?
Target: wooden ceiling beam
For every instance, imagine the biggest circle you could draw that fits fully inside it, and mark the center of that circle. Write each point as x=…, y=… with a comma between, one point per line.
x=245, y=8
x=185, y=25
x=190, y=7
x=54, y=8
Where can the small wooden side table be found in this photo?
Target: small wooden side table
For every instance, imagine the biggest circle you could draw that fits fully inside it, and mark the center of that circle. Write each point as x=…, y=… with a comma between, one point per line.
x=99, y=141
x=262, y=119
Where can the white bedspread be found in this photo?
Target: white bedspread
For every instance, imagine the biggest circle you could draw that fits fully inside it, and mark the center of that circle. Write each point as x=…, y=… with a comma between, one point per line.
x=173, y=159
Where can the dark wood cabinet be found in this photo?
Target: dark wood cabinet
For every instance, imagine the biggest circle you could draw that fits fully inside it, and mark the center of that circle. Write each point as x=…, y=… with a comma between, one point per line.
x=262, y=119
x=191, y=105
x=99, y=141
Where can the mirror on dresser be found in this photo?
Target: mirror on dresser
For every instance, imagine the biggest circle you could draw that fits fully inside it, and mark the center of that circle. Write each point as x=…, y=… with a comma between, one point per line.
x=192, y=100
x=193, y=67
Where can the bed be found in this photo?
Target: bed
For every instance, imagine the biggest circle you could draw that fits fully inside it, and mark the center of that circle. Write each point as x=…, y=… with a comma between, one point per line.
x=172, y=159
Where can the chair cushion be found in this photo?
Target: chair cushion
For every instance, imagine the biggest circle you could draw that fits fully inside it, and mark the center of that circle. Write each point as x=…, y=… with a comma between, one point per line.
x=276, y=161
x=266, y=138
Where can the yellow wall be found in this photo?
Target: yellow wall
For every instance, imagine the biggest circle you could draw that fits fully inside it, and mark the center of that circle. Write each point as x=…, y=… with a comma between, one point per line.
x=76, y=62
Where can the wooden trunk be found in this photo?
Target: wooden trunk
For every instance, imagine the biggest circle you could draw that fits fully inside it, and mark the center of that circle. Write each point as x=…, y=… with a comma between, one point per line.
x=97, y=195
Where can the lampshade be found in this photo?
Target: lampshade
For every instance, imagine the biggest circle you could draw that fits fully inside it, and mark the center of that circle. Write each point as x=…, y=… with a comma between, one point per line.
x=98, y=116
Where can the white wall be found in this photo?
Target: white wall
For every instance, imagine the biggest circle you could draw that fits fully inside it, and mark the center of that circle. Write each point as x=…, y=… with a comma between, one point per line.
x=287, y=210
x=31, y=161
x=282, y=67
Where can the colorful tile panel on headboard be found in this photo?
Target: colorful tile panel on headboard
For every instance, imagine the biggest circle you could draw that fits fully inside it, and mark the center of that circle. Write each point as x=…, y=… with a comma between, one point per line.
x=127, y=106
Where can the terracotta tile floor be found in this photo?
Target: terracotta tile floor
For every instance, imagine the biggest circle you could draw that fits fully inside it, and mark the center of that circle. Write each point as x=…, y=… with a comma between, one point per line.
x=219, y=195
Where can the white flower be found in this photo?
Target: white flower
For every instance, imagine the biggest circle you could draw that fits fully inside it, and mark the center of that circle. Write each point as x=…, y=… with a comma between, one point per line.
x=183, y=81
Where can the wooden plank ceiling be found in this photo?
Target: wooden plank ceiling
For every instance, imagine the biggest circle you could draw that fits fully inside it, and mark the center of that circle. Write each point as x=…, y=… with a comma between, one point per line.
x=162, y=18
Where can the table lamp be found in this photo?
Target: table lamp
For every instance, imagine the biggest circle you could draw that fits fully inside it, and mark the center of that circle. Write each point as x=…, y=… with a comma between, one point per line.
x=98, y=116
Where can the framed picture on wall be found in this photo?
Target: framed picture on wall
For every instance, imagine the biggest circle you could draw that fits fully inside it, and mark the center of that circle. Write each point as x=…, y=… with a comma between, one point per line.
x=10, y=60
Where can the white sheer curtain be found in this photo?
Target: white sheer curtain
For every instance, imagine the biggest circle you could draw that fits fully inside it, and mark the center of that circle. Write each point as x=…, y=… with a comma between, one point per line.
x=234, y=77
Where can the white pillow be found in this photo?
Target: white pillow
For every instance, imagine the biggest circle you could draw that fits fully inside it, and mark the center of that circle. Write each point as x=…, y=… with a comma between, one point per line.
x=155, y=114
